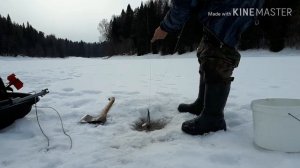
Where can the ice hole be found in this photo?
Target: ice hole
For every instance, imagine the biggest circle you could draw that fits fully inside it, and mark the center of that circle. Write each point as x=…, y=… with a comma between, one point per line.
x=142, y=124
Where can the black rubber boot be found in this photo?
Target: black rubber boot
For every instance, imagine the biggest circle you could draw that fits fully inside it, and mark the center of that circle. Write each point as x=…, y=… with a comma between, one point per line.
x=197, y=106
x=212, y=117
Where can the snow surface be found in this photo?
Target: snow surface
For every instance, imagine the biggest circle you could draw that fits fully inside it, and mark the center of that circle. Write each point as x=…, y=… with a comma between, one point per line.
x=80, y=86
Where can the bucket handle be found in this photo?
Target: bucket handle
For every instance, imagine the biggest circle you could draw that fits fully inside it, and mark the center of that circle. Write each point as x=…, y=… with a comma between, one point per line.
x=294, y=117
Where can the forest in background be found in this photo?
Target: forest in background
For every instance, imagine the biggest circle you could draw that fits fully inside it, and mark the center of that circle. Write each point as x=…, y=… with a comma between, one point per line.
x=16, y=39
x=130, y=33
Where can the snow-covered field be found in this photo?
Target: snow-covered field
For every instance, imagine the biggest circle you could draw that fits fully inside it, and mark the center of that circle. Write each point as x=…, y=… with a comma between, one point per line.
x=80, y=86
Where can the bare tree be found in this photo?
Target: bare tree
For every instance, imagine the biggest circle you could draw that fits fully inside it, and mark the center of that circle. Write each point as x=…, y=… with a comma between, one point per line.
x=103, y=28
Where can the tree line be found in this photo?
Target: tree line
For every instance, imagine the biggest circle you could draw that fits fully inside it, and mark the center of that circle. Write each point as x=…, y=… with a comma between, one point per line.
x=16, y=39
x=131, y=31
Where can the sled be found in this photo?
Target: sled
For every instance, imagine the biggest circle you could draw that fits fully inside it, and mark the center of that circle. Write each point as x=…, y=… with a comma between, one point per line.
x=17, y=106
x=101, y=118
x=14, y=106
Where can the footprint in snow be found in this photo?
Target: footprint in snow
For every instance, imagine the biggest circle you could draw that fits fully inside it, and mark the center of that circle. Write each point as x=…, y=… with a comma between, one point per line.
x=91, y=92
x=229, y=104
x=164, y=94
x=224, y=159
x=246, y=107
x=79, y=103
x=125, y=93
x=233, y=119
x=274, y=86
x=68, y=89
x=68, y=94
x=233, y=96
x=231, y=123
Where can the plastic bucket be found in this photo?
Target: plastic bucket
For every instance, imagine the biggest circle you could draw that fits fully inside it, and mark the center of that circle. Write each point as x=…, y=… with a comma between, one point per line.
x=276, y=124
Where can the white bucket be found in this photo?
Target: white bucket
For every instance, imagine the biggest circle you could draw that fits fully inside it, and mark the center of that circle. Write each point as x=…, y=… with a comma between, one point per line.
x=276, y=124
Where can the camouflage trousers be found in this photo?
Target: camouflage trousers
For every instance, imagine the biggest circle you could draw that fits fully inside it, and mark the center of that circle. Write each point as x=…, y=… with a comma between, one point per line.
x=217, y=62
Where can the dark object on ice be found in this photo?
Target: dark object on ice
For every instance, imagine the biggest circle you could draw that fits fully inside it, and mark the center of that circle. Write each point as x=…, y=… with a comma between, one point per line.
x=101, y=118
x=14, y=106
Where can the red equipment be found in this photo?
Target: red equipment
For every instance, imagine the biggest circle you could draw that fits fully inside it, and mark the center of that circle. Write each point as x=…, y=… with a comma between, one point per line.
x=17, y=83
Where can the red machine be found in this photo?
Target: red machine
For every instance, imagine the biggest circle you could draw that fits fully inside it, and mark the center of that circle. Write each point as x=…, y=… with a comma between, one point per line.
x=17, y=83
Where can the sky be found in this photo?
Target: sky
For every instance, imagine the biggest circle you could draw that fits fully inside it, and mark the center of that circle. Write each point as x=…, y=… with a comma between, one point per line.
x=73, y=19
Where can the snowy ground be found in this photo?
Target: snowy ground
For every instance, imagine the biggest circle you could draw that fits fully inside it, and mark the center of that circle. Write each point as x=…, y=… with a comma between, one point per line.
x=80, y=86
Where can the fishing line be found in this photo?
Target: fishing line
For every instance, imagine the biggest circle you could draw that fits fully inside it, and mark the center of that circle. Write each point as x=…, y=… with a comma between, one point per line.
x=150, y=85
x=150, y=64
x=294, y=117
x=178, y=39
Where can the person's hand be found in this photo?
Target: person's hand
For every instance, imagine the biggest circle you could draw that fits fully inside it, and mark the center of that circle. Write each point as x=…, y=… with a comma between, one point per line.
x=159, y=34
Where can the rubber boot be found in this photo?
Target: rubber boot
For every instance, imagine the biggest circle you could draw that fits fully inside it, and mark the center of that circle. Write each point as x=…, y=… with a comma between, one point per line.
x=212, y=116
x=197, y=106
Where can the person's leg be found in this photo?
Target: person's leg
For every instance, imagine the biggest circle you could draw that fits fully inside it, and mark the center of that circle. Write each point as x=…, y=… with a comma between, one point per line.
x=217, y=65
x=197, y=106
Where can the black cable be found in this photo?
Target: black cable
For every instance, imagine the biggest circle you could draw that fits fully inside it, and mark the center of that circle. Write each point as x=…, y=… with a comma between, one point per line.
x=37, y=118
x=61, y=122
